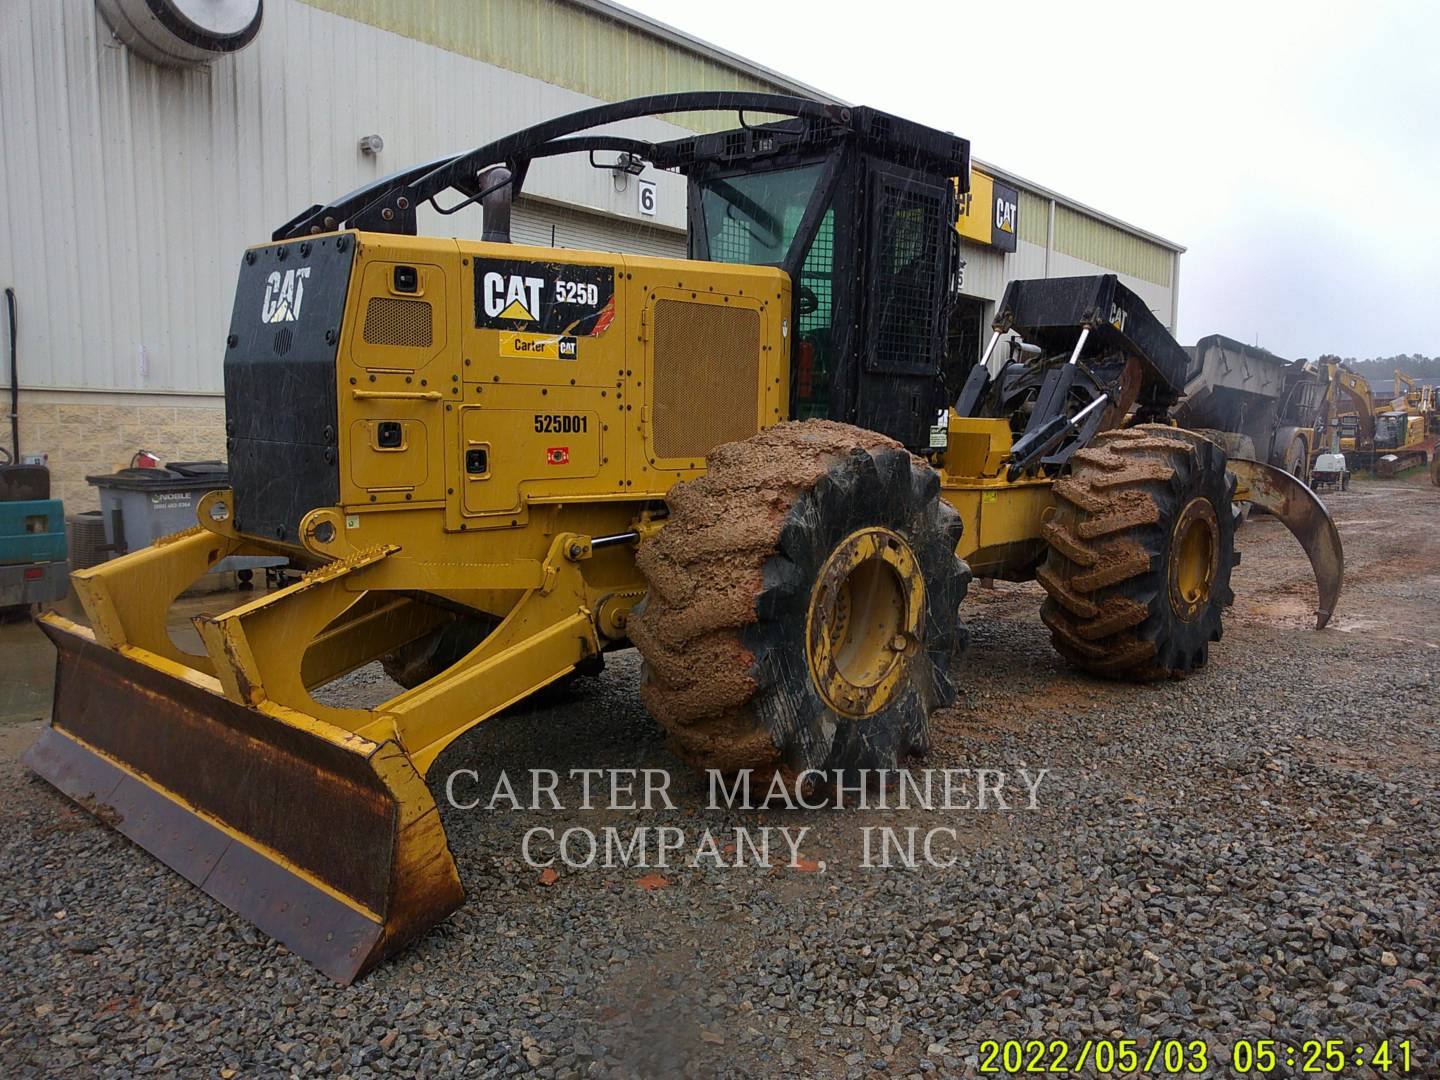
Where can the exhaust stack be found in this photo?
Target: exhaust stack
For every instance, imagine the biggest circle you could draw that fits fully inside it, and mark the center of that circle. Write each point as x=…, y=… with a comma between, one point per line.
x=498, y=187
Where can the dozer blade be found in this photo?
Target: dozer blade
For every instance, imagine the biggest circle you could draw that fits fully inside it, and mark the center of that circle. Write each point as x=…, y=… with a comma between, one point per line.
x=329, y=842
x=1305, y=515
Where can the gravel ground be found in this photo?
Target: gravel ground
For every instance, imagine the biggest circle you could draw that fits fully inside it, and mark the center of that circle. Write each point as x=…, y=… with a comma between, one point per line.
x=1249, y=853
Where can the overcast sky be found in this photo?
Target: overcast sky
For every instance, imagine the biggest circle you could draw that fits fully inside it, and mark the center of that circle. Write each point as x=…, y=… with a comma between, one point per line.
x=1292, y=148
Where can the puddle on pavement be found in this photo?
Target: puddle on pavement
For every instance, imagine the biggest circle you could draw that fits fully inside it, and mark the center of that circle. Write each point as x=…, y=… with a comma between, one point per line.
x=27, y=659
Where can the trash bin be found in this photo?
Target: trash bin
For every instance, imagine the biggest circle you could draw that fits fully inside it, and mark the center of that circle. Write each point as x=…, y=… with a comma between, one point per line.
x=141, y=505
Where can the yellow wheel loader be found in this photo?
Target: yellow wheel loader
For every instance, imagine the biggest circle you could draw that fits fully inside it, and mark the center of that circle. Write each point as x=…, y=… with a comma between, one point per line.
x=496, y=463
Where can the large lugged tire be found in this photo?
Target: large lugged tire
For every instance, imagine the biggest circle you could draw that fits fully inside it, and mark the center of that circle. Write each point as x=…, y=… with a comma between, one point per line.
x=1140, y=552
x=421, y=660
x=1297, y=460
x=803, y=604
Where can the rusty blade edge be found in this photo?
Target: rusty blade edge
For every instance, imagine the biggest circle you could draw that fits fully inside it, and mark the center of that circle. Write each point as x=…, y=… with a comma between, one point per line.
x=323, y=930
x=261, y=812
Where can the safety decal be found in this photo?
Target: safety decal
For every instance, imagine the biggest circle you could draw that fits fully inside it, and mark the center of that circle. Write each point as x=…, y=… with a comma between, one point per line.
x=558, y=455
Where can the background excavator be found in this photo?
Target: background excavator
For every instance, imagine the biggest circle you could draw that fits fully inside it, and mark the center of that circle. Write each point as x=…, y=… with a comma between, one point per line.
x=1383, y=436
x=497, y=463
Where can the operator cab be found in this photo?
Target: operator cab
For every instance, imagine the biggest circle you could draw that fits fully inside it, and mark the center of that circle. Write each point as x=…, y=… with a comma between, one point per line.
x=857, y=206
x=1393, y=430
x=862, y=220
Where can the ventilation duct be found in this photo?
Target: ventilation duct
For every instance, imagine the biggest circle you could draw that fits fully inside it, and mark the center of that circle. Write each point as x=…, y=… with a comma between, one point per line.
x=183, y=33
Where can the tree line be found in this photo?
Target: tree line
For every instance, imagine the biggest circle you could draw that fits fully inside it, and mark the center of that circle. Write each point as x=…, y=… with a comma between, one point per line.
x=1380, y=370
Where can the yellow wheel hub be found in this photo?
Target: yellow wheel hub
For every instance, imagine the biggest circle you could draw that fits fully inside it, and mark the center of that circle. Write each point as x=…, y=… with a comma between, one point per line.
x=1194, y=558
x=864, y=625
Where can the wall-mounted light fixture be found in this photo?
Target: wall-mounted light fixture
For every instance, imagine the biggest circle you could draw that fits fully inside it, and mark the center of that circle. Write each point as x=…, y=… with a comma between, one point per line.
x=630, y=164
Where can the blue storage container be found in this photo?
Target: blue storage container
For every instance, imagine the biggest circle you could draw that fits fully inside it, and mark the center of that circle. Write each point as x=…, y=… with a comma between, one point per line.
x=33, y=552
x=32, y=531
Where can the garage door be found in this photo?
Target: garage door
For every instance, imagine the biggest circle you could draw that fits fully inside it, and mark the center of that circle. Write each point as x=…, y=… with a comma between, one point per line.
x=548, y=225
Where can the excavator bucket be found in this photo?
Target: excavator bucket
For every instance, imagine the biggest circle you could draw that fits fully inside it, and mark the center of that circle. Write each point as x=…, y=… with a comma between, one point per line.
x=1305, y=516
x=328, y=842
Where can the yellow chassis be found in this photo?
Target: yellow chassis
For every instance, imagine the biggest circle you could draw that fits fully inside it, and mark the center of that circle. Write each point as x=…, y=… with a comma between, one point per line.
x=356, y=607
x=224, y=765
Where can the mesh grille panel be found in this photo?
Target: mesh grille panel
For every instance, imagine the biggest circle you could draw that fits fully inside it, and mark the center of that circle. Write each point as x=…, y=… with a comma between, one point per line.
x=707, y=372
x=907, y=285
x=815, y=328
x=397, y=322
x=730, y=243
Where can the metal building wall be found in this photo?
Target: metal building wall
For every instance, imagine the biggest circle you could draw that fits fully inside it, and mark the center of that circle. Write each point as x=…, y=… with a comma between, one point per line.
x=1057, y=239
x=1030, y=260
x=128, y=191
x=1157, y=297
x=988, y=271
x=550, y=225
x=1034, y=218
x=580, y=44
x=1084, y=237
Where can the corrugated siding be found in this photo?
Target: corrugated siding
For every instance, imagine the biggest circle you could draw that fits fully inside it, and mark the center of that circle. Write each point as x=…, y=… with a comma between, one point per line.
x=558, y=43
x=1099, y=242
x=549, y=225
x=1034, y=217
x=986, y=270
x=128, y=191
x=1157, y=297
x=1028, y=261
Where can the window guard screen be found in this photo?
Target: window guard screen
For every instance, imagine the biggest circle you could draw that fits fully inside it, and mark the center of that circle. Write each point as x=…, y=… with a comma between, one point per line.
x=752, y=219
x=907, y=279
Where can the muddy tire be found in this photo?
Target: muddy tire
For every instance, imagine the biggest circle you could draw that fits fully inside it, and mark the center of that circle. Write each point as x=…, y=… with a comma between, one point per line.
x=1235, y=445
x=1140, y=552
x=1297, y=460
x=803, y=604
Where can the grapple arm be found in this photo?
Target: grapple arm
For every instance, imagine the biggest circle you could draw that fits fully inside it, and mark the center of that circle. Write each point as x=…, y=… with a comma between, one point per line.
x=1304, y=515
